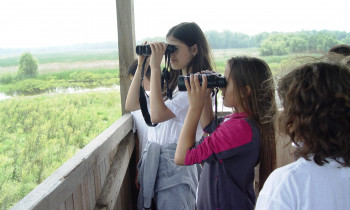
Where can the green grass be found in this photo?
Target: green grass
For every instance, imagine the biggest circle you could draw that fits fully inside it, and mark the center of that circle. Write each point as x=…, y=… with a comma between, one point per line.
x=49, y=82
x=63, y=57
x=60, y=74
x=65, y=75
x=39, y=133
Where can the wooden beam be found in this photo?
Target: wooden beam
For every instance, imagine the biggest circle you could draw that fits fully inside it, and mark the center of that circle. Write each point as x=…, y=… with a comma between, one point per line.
x=114, y=180
x=126, y=45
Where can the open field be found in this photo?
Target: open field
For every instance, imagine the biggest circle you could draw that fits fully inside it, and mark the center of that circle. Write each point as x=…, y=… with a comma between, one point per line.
x=68, y=57
x=39, y=133
x=55, y=67
x=53, y=63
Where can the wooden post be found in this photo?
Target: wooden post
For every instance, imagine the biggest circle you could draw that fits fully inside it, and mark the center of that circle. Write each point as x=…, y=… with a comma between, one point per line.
x=126, y=44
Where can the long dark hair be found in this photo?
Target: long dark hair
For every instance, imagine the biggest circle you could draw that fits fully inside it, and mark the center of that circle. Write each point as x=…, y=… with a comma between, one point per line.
x=260, y=105
x=316, y=102
x=190, y=34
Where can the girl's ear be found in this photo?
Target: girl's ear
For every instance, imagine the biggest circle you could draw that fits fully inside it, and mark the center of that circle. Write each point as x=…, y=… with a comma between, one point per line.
x=248, y=90
x=194, y=49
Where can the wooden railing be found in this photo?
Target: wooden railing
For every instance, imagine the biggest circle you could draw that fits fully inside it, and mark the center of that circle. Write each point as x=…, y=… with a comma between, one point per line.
x=97, y=177
x=100, y=176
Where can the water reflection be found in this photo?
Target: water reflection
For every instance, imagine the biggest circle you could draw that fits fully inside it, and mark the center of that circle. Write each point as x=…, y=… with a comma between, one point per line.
x=3, y=96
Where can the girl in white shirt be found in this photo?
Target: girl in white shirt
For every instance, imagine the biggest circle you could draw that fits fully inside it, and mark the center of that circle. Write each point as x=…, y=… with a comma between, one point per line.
x=191, y=55
x=316, y=116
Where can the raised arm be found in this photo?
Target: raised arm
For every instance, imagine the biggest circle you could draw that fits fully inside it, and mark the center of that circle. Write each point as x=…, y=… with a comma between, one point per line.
x=132, y=102
x=158, y=110
x=207, y=115
x=196, y=94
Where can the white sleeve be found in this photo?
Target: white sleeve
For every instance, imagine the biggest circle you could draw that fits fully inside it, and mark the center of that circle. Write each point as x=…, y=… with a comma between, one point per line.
x=178, y=105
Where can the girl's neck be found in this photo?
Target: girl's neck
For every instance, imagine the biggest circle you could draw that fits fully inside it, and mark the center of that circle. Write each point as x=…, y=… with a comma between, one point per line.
x=184, y=71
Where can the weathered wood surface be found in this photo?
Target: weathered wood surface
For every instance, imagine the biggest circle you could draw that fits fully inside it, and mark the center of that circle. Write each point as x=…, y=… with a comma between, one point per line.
x=114, y=180
x=79, y=181
x=126, y=44
x=284, y=151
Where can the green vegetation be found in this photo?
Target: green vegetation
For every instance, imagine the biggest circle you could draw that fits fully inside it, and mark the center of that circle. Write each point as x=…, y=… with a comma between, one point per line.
x=39, y=133
x=50, y=82
x=277, y=63
x=285, y=43
x=63, y=57
x=28, y=66
x=279, y=43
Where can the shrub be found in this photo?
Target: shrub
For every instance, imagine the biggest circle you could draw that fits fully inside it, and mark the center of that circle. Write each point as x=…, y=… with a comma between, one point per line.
x=28, y=66
x=7, y=79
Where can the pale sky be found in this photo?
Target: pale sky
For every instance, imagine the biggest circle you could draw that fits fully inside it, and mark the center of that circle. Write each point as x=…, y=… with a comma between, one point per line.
x=40, y=23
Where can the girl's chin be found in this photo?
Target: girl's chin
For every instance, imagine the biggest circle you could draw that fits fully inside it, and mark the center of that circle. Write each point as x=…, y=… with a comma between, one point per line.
x=174, y=67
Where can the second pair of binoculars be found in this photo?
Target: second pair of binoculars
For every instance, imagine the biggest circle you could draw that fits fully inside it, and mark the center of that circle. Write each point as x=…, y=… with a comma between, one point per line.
x=146, y=49
x=213, y=79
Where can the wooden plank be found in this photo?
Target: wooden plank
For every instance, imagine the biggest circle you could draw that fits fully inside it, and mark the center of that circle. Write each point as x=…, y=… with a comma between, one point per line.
x=118, y=204
x=116, y=174
x=78, y=198
x=111, y=156
x=125, y=201
x=97, y=181
x=62, y=206
x=284, y=151
x=104, y=168
x=69, y=203
x=54, y=190
x=126, y=44
x=91, y=190
x=85, y=194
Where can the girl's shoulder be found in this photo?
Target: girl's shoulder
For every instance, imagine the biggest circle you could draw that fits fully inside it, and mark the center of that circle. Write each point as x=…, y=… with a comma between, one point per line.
x=237, y=124
x=235, y=117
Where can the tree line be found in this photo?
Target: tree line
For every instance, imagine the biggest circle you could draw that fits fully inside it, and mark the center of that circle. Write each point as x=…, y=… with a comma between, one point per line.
x=274, y=43
x=278, y=43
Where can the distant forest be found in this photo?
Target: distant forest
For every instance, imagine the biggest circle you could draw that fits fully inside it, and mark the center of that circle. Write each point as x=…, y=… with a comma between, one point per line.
x=277, y=43
x=274, y=43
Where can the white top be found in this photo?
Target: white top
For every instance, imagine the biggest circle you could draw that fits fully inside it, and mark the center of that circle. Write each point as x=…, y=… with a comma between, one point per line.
x=169, y=131
x=306, y=185
x=140, y=126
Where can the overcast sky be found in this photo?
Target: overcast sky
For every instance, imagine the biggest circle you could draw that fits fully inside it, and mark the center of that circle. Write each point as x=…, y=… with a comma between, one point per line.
x=39, y=23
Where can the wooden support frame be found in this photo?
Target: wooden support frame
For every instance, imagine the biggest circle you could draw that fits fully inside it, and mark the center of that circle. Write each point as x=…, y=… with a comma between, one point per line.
x=126, y=45
x=114, y=180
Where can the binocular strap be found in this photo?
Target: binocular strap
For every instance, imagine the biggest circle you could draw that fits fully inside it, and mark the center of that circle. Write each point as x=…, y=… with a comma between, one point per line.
x=216, y=104
x=166, y=76
x=142, y=99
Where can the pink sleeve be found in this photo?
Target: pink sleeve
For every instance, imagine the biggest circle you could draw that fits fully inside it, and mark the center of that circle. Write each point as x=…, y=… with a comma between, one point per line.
x=230, y=135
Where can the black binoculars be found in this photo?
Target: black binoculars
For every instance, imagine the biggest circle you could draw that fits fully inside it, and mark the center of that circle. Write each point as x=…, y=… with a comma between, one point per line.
x=214, y=80
x=146, y=49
